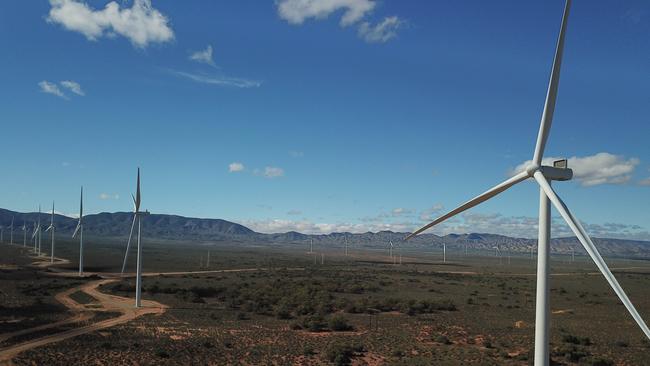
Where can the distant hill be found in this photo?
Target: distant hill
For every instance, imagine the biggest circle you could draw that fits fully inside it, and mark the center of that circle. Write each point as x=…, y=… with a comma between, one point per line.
x=174, y=227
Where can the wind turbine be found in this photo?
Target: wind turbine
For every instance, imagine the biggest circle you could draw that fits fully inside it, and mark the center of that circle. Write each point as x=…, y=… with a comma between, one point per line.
x=12, y=231
x=24, y=233
x=37, y=233
x=51, y=228
x=444, y=253
x=390, y=248
x=544, y=175
x=80, y=230
x=34, y=236
x=311, y=246
x=137, y=216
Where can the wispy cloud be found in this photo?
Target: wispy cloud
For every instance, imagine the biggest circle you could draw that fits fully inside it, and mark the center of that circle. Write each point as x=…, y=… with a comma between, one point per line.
x=235, y=167
x=140, y=23
x=296, y=154
x=108, y=196
x=273, y=172
x=51, y=88
x=204, y=56
x=297, y=11
x=381, y=32
x=73, y=86
x=294, y=212
x=601, y=168
x=217, y=79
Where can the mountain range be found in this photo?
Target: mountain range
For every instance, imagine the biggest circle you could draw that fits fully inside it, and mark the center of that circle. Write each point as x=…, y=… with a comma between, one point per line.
x=200, y=230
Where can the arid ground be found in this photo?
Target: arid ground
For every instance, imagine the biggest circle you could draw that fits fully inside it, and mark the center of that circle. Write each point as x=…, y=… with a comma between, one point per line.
x=281, y=306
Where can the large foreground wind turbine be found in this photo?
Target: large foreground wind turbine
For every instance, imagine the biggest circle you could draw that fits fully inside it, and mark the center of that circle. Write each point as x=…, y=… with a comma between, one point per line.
x=80, y=230
x=543, y=175
x=51, y=228
x=137, y=216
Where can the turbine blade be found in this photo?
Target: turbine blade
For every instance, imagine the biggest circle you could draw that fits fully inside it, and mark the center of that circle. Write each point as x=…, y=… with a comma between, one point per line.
x=551, y=93
x=81, y=204
x=586, y=242
x=76, y=230
x=128, y=244
x=475, y=201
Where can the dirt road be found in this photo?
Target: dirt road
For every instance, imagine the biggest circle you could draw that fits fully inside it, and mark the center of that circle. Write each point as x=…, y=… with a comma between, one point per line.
x=82, y=312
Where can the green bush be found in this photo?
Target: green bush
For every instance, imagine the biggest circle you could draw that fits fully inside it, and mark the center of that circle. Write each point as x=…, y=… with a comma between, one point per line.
x=339, y=323
x=341, y=353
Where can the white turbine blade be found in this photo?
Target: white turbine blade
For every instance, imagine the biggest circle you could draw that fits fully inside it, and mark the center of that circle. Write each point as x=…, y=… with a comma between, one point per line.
x=76, y=230
x=128, y=244
x=551, y=93
x=475, y=201
x=586, y=242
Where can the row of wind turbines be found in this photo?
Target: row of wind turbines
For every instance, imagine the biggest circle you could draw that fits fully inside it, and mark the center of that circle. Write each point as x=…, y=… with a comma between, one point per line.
x=36, y=236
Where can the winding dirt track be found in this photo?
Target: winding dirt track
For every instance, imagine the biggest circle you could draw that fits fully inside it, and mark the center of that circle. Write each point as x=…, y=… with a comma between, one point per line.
x=82, y=313
x=86, y=312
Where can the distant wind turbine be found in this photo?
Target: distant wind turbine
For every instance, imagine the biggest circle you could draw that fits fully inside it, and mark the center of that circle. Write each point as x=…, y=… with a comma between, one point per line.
x=390, y=248
x=24, y=228
x=80, y=230
x=12, y=231
x=544, y=175
x=444, y=253
x=137, y=216
x=51, y=228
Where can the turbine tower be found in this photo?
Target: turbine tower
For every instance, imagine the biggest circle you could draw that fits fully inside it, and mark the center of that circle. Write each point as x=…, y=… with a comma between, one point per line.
x=51, y=228
x=444, y=253
x=11, y=227
x=24, y=228
x=137, y=216
x=80, y=230
x=544, y=175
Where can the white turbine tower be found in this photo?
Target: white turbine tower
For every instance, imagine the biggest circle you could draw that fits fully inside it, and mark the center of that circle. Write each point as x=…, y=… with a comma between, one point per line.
x=444, y=253
x=80, y=230
x=543, y=175
x=24, y=228
x=390, y=248
x=34, y=236
x=40, y=231
x=137, y=216
x=11, y=241
x=51, y=228
x=37, y=234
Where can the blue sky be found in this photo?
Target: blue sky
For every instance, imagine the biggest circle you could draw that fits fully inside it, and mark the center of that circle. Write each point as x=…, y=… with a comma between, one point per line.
x=339, y=115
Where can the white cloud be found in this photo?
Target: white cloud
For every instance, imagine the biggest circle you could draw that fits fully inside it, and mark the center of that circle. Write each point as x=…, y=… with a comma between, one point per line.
x=469, y=222
x=218, y=80
x=204, y=56
x=432, y=213
x=141, y=23
x=273, y=172
x=297, y=11
x=381, y=32
x=235, y=167
x=73, y=86
x=107, y=196
x=294, y=212
x=308, y=227
x=51, y=88
x=296, y=154
x=601, y=168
